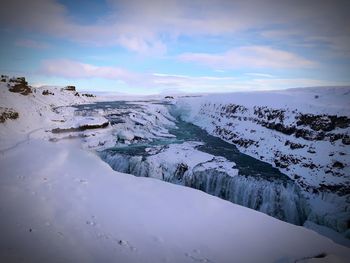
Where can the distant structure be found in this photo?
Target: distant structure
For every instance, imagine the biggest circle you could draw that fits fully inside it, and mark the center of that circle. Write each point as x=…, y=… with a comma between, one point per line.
x=69, y=88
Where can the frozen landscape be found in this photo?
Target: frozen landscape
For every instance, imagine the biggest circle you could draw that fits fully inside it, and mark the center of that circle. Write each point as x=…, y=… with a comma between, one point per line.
x=175, y=131
x=175, y=179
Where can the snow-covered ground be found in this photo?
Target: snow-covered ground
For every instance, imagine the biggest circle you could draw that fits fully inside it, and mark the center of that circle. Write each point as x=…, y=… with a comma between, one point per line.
x=59, y=202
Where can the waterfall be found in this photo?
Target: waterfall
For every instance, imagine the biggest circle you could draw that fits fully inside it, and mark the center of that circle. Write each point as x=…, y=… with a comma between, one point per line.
x=276, y=198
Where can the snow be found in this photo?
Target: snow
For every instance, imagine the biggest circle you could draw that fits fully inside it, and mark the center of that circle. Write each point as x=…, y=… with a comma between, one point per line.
x=125, y=135
x=36, y=112
x=68, y=206
x=59, y=202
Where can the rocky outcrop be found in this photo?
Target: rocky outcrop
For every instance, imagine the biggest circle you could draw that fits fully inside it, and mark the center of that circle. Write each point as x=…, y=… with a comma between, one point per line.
x=47, y=92
x=323, y=122
x=286, y=138
x=19, y=85
x=7, y=113
x=69, y=88
x=80, y=128
x=88, y=95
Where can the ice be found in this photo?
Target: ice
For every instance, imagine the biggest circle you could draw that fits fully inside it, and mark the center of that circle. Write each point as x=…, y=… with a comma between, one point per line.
x=183, y=164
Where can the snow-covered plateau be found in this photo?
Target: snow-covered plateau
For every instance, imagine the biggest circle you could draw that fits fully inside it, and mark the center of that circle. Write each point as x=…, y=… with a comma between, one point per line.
x=59, y=202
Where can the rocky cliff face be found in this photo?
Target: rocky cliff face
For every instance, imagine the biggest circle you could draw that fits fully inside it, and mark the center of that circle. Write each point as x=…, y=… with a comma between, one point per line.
x=310, y=148
x=307, y=142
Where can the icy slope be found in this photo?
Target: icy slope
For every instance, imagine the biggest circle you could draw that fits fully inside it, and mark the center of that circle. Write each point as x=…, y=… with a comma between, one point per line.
x=63, y=204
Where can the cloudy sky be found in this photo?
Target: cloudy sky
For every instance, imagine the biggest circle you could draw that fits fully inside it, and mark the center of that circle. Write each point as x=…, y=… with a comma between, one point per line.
x=153, y=46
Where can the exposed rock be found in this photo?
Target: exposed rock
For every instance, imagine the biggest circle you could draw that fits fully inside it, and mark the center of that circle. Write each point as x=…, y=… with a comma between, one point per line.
x=180, y=170
x=233, y=108
x=284, y=160
x=323, y=122
x=269, y=114
x=6, y=113
x=339, y=189
x=20, y=86
x=47, y=92
x=80, y=128
x=346, y=140
x=293, y=145
x=288, y=130
x=338, y=164
x=4, y=78
x=69, y=88
x=311, y=150
x=88, y=95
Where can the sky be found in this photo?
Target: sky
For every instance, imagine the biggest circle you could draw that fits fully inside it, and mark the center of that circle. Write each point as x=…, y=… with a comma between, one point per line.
x=171, y=46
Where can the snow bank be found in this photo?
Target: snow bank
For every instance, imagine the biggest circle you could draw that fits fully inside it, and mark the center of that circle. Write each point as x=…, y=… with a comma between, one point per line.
x=63, y=204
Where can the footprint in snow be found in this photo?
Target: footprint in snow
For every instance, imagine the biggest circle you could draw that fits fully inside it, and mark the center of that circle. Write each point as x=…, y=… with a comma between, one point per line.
x=125, y=243
x=82, y=181
x=91, y=222
x=195, y=256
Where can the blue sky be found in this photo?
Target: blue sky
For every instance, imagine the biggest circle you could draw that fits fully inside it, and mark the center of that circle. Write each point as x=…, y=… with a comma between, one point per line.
x=146, y=47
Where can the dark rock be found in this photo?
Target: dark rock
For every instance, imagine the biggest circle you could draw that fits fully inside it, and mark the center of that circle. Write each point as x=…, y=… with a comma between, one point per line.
x=309, y=165
x=337, y=188
x=69, y=88
x=47, y=92
x=180, y=170
x=4, y=78
x=311, y=150
x=338, y=164
x=293, y=145
x=280, y=163
x=346, y=140
x=88, y=95
x=81, y=128
x=323, y=122
x=288, y=130
x=20, y=86
x=6, y=113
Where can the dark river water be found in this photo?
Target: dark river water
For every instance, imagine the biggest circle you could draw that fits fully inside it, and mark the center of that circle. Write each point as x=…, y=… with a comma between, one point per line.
x=247, y=165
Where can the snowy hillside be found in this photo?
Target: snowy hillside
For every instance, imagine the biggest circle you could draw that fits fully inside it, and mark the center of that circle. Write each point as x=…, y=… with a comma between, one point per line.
x=59, y=202
x=303, y=132
x=35, y=109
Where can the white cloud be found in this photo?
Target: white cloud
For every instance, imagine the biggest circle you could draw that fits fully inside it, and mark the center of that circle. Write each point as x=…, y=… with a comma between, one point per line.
x=76, y=70
x=140, y=25
x=249, y=57
x=263, y=75
x=73, y=69
x=164, y=82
